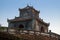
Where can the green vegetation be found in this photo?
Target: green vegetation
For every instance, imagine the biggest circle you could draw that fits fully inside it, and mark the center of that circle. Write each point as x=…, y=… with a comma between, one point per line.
x=2, y=28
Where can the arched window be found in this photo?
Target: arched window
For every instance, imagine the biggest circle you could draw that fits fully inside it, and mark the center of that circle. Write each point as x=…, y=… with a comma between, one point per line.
x=21, y=26
x=42, y=29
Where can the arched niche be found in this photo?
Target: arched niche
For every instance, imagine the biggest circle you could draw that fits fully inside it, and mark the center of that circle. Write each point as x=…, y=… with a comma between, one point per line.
x=21, y=26
x=42, y=29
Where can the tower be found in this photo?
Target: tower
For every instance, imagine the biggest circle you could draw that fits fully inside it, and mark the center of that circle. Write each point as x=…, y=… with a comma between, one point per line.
x=28, y=11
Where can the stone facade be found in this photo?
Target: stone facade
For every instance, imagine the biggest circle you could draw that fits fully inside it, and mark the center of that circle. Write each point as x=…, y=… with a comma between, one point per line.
x=29, y=20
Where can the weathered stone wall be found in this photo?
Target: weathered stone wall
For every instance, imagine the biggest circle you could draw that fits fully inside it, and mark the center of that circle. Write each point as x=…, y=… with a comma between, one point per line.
x=7, y=36
x=27, y=24
x=39, y=25
x=36, y=37
x=27, y=36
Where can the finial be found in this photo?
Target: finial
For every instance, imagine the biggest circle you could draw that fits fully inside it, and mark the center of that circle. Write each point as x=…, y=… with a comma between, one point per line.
x=27, y=5
x=7, y=19
x=19, y=9
x=15, y=16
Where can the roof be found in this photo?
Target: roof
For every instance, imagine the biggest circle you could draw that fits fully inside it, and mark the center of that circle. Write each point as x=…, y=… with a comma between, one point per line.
x=28, y=7
x=25, y=19
x=19, y=19
x=41, y=20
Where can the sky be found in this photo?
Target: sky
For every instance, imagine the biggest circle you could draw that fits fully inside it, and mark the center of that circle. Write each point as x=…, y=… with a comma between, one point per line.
x=49, y=11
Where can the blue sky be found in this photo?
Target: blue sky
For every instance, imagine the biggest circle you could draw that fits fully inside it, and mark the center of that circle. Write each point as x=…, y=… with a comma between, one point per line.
x=49, y=11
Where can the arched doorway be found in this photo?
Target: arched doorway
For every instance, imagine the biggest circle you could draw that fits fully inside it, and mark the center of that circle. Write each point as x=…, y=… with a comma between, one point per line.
x=21, y=26
x=42, y=29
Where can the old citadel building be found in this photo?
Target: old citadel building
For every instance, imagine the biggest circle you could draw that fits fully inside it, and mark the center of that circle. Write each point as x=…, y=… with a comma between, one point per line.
x=29, y=20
